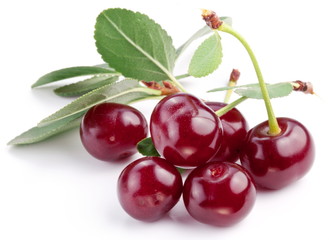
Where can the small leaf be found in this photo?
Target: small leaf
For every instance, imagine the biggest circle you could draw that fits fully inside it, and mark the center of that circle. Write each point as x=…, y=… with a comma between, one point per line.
x=147, y=148
x=207, y=57
x=82, y=87
x=124, y=91
x=134, y=45
x=274, y=90
x=66, y=73
x=200, y=33
x=38, y=134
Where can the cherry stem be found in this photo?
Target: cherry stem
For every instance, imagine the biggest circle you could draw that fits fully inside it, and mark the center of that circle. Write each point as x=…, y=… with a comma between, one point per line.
x=274, y=128
x=176, y=83
x=230, y=106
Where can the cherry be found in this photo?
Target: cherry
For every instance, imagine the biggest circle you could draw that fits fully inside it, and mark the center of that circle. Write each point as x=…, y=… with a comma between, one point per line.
x=235, y=128
x=277, y=161
x=185, y=131
x=110, y=131
x=149, y=187
x=219, y=193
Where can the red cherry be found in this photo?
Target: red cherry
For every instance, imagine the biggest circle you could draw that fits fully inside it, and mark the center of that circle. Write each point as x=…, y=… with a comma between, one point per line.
x=149, y=187
x=185, y=131
x=277, y=161
x=235, y=128
x=219, y=193
x=110, y=131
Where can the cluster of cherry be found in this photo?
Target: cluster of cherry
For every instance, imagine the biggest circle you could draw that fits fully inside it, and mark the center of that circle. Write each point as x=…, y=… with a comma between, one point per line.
x=188, y=134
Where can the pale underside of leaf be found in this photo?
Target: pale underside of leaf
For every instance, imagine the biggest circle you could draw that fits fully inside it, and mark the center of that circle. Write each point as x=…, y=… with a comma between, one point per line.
x=233, y=87
x=274, y=90
x=134, y=45
x=207, y=57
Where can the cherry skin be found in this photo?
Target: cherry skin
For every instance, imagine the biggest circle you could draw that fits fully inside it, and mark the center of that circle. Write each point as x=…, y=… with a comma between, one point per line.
x=277, y=161
x=148, y=188
x=235, y=128
x=219, y=193
x=185, y=131
x=110, y=131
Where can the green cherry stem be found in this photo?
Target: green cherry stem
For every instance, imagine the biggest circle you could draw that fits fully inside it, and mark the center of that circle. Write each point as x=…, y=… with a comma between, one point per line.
x=230, y=106
x=274, y=128
x=176, y=83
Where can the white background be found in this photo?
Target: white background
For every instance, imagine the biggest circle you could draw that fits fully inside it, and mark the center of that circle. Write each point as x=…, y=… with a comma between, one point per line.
x=55, y=190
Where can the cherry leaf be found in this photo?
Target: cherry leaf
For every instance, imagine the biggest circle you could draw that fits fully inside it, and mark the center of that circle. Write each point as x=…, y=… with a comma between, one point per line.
x=82, y=87
x=38, y=134
x=147, y=148
x=207, y=57
x=134, y=45
x=274, y=90
x=71, y=72
x=124, y=91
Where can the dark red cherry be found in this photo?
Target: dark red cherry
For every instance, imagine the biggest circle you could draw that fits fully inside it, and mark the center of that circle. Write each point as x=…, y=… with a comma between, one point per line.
x=235, y=128
x=149, y=187
x=277, y=161
x=185, y=131
x=110, y=131
x=219, y=193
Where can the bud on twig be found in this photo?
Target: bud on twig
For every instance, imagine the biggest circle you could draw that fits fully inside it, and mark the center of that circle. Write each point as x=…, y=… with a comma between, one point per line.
x=235, y=74
x=167, y=89
x=211, y=18
x=305, y=87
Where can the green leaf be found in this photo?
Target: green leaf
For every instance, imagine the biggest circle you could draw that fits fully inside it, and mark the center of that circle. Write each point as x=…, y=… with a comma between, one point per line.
x=200, y=33
x=147, y=148
x=134, y=45
x=207, y=57
x=66, y=73
x=274, y=90
x=233, y=87
x=38, y=134
x=82, y=87
x=124, y=92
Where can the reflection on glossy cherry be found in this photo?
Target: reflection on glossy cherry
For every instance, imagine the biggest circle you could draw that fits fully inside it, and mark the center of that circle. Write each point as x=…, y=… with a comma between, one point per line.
x=219, y=193
x=110, y=131
x=277, y=161
x=149, y=187
x=235, y=128
x=185, y=131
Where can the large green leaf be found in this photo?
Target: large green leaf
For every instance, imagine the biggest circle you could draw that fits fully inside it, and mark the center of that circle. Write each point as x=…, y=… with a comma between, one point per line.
x=207, y=57
x=66, y=73
x=123, y=91
x=82, y=87
x=134, y=45
x=38, y=134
